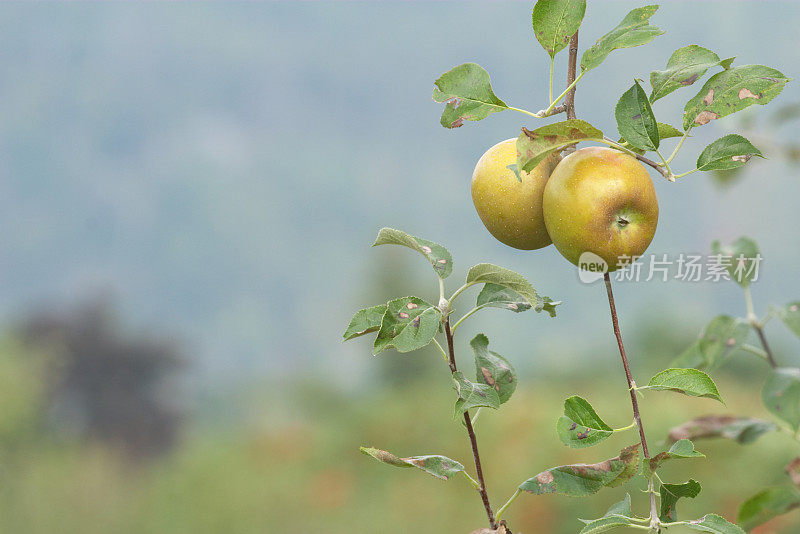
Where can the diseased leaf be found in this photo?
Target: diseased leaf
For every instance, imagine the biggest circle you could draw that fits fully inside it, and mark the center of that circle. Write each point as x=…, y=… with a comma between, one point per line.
x=535, y=145
x=671, y=493
x=681, y=449
x=793, y=470
x=687, y=381
x=473, y=395
x=492, y=369
x=619, y=515
x=665, y=131
x=441, y=467
x=635, y=120
x=742, y=430
x=497, y=296
x=554, y=22
x=727, y=152
x=634, y=30
x=745, y=259
x=365, y=321
x=781, y=395
x=790, y=315
x=409, y=323
x=733, y=90
x=580, y=426
x=767, y=504
x=438, y=256
x=486, y=273
x=467, y=92
x=717, y=341
x=684, y=67
x=585, y=479
x=714, y=524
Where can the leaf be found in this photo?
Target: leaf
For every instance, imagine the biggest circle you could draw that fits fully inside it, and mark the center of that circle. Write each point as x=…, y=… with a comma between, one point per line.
x=492, y=369
x=767, y=504
x=441, y=467
x=742, y=430
x=497, y=296
x=681, y=449
x=714, y=524
x=554, y=22
x=665, y=131
x=687, y=381
x=580, y=426
x=745, y=259
x=486, y=273
x=635, y=120
x=790, y=315
x=535, y=145
x=793, y=470
x=619, y=515
x=634, y=30
x=472, y=395
x=585, y=479
x=467, y=92
x=719, y=338
x=781, y=395
x=438, y=256
x=409, y=323
x=671, y=493
x=684, y=67
x=365, y=321
x=727, y=152
x=733, y=90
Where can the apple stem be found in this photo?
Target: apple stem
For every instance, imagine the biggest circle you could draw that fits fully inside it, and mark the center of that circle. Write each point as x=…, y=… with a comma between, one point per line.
x=647, y=161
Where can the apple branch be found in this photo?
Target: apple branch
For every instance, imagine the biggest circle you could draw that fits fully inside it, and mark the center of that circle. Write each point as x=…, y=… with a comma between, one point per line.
x=647, y=161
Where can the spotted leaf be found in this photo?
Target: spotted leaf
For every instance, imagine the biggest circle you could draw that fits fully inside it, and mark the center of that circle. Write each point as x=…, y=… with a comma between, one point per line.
x=365, y=321
x=467, y=92
x=687, y=381
x=714, y=524
x=681, y=449
x=438, y=256
x=635, y=120
x=634, y=30
x=497, y=296
x=742, y=430
x=685, y=66
x=554, y=22
x=409, y=323
x=671, y=493
x=486, y=273
x=745, y=259
x=619, y=515
x=580, y=426
x=733, y=90
x=766, y=505
x=790, y=315
x=781, y=395
x=473, y=395
x=441, y=467
x=717, y=341
x=727, y=152
x=535, y=145
x=492, y=369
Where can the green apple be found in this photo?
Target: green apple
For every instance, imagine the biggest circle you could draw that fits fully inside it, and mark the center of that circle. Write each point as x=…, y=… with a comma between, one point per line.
x=510, y=208
x=602, y=201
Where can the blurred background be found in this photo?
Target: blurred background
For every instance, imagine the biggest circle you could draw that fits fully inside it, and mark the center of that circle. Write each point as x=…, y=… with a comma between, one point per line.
x=188, y=193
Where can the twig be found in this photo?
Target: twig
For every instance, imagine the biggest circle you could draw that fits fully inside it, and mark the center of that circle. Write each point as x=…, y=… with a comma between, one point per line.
x=752, y=318
x=569, y=101
x=641, y=158
x=763, y=338
x=472, y=439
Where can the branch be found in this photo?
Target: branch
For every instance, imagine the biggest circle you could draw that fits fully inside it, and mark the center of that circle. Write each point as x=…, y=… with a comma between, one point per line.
x=569, y=101
x=472, y=439
x=647, y=161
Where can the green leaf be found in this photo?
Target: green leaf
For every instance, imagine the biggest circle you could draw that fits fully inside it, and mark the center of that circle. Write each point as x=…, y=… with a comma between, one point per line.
x=634, y=30
x=781, y=395
x=790, y=315
x=727, y=152
x=535, y=145
x=687, y=381
x=670, y=493
x=719, y=338
x=681, y=449
x=744, y=257
x=619, y=515
x=580, y=426
x=733, y=90
x=486, y=273
x=441, y=467
x=742, y=430
x=714, y=524
x=766, y=505
x=467, y=92
x=585, y=479
x=409, y=323
x=684, y=67
x=472, y=395
x=665, y=131
x=438, y=256
x=497, y=296
x=554, y=22
x=365, y=321
x=492, y=369
x=635, y=120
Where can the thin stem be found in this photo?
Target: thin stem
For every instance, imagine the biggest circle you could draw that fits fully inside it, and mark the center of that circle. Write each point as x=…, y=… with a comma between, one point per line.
x=646, y=161
x=471, y=432
x=472, y=480
x=751, y=311
x=475, y=417
x=758, y=327
x=687, y=173
x=664, y=162
x=763, y=338
x=503, y=508
x=446, y=358
x=624, y=428
x=526, y=112
x=678, y=146
x=754, y=350
x=458, y=292
x=441, y=290
x=552, y=66
x=562, y=95
x=473, y=310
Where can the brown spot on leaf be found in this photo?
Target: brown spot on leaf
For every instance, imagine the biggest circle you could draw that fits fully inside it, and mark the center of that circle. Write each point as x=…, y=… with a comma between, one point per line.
x=690, y=80
x=411, y=306
x=415, y=322
x=551, y=138
x=744, y=158
x=793, y=308
x=531, y=135
x=730, y=342
x=458, y=123
x=709, y=98
x=442, y=261
x=426, y=249
x=744, y=92
x=513, y=306
x=487, y=376
x=545, y=477
x=577, y=134
x=793, y=470
x=583, y=435
x=704, y=117
x=453, y=102
x=403, y=315
x=573, y=426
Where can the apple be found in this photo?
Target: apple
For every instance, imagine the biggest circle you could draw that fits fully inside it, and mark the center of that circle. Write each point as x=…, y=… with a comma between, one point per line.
x=511, y=209
x=603, y=201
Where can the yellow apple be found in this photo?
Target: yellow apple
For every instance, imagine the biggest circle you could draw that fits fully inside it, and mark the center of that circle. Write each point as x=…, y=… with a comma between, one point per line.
x=511, y=209
x=603, y=201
